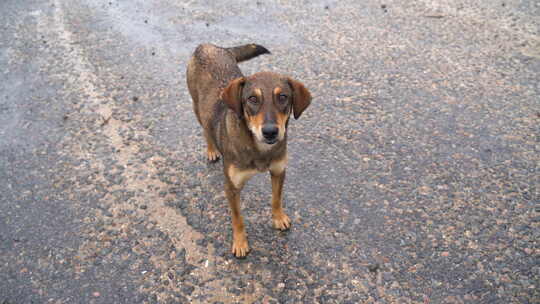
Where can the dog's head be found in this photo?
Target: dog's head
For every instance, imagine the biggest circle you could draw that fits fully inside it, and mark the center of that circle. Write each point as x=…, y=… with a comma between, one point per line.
x=265, y=101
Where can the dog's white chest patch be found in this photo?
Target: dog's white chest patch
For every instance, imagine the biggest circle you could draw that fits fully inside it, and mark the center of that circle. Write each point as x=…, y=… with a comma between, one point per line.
x=278, y=166
x=239, y=177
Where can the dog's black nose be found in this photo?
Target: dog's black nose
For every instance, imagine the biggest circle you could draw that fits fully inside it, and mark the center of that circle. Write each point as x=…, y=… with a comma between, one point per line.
x=270, y=132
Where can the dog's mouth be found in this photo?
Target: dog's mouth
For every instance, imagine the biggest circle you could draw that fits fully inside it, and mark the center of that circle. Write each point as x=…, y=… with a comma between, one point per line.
x=270, y=141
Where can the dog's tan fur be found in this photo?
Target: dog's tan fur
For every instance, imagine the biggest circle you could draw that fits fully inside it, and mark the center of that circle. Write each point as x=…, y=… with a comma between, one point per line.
x=244, y=120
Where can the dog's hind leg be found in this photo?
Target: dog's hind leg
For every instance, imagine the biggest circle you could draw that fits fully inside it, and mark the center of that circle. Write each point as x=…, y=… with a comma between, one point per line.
x=212, y=151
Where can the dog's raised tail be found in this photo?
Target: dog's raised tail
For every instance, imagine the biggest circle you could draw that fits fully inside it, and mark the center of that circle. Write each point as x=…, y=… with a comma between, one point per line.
x=247, y=51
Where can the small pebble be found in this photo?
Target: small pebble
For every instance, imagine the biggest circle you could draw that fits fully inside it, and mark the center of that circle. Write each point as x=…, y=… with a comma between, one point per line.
x=374, y=267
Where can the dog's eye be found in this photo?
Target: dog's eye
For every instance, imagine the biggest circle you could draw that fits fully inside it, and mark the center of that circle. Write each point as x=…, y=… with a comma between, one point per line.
x=283, y=98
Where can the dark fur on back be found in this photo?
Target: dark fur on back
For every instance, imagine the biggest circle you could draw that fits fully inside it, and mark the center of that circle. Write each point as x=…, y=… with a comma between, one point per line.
x=216, y=67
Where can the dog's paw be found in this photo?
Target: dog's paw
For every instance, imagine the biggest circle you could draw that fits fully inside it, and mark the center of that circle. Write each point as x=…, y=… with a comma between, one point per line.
x=213, y=156
x=240, y=247
x=281, y=221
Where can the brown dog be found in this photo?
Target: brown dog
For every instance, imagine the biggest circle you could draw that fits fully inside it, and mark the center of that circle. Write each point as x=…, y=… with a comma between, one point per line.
x=244, y=120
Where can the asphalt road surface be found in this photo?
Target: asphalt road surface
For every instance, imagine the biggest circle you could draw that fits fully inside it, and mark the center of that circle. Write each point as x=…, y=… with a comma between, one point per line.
x=413, y=177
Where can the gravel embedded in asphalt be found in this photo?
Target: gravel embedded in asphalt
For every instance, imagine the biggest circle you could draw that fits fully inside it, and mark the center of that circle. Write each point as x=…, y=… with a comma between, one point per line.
x=413, y=177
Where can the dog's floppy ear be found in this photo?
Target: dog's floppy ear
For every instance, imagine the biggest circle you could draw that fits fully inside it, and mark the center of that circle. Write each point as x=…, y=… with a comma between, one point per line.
x=301, y=97
x=231, y=95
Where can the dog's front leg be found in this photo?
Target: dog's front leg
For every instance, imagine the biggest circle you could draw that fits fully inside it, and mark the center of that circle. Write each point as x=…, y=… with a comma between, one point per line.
x=240, y=246
x=234, y=182
x=277, y=172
